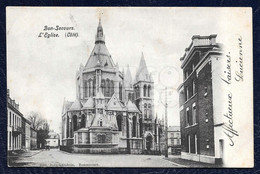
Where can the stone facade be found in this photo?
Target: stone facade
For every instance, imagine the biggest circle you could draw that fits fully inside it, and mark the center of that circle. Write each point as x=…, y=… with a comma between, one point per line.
x=198, y=120
x=111, y=113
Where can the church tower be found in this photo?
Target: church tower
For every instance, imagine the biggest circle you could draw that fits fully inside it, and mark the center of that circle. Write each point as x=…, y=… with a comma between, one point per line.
x=128, y=84
x=143, y=90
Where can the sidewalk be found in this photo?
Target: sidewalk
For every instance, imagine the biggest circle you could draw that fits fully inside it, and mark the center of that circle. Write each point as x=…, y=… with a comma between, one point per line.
x=190, y=164
x=25, y=154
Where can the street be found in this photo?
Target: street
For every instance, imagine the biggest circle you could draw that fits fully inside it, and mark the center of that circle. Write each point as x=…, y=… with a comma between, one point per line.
x=57, y=158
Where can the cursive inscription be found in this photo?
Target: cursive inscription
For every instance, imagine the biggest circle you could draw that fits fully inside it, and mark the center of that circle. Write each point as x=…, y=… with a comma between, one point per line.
x=227, y=78
x=239, y=73
x=228, y=127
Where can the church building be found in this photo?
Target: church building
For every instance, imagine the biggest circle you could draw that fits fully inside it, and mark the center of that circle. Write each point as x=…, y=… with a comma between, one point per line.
x=112, y=113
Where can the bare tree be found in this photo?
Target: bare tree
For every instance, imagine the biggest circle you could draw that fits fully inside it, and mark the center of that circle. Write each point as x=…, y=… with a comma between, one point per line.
x=36, y=119
x=41, y=125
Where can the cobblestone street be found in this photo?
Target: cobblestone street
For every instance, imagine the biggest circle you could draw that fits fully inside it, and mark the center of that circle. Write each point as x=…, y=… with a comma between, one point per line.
x=56, y=158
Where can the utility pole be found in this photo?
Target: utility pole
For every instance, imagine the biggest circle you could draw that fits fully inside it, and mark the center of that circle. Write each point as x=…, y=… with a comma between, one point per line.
x=166, y=125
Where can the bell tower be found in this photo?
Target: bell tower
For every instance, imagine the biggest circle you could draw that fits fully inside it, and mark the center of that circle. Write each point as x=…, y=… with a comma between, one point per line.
x=143, y=90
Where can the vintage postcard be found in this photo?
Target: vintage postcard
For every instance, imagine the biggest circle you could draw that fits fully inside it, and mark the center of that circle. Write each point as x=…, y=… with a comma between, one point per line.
x=129, y=87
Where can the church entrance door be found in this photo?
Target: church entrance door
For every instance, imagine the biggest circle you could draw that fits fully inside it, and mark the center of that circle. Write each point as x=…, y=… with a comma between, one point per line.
x=149, y=141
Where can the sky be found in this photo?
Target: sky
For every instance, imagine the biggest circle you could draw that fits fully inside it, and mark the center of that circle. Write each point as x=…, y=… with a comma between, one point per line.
x=41, y=72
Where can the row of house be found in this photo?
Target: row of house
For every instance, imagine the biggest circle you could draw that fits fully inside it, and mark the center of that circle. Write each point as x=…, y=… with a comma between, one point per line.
x=21, y=136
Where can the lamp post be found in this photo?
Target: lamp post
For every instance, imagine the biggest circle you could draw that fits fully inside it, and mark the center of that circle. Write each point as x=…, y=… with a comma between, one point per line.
x=166, y=124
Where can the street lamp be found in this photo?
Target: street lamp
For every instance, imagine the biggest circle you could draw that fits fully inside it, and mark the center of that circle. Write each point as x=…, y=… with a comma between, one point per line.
x=166, y=124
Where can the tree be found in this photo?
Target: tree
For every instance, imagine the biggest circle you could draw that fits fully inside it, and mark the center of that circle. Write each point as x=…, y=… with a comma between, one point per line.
x=36, y=119
x=41, y=126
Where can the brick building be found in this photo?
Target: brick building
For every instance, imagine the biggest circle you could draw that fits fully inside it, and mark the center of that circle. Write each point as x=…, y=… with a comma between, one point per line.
x=200, y=119
x=112, y=113
x=174, y=140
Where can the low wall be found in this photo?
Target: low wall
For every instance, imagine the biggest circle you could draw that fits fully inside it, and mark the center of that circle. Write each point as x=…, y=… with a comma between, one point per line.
x=96, y=150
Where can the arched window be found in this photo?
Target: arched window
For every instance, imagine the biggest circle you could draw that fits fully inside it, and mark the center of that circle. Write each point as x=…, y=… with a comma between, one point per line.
x=141, y=127
x=103, y=86
x=149, y=114
x=129, y=96
x=145, y=88
x=83, y=121
x=119, y=122
x=74, y=123
x=149, y=91
x=94, y=87
x=145, y=110
x=100, y=122
x=137, y=92
x=107, y=88
x=85, y=89
x=111, y=87
x=134, y=127
x=67, y=126
x=120, y=91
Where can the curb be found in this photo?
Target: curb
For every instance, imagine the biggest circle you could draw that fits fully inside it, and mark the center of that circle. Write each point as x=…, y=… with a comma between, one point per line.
x=179, y=165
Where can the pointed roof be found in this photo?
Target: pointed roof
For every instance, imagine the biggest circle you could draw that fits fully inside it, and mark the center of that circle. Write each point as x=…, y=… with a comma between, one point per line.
x=99, y=94
x=100, y=57
x=142, y=73
x=105, y=122
x=114, y=104
x=89, y=103
x=66, y=106
x=131, y=107
x=76, y=106
x=128, y=78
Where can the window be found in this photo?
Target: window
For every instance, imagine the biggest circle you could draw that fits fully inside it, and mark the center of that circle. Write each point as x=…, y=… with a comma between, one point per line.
x=193, y=87
x=206, y=91
x=187, y=93
x=188, y=117
x=196, y=143
x=145, y=88
x=149, y=91
x=101, y=123
x=134, y=127
x=103, y=86
x=120, y=92
x=10, y=118
x=145, y=110
x=119, y=122
x=188, y=140
x=194, y=119
x=85, y=89
x=111, y=88
x=107, y=90
x=101, y=138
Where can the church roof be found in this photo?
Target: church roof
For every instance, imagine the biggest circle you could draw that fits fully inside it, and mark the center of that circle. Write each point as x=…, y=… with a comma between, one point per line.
x=128, y=78
x=100, y=57
x=76, y=105
x=89, y=103
x=66, y=106
x=131, y=107
x=115, y=104
x=142, y=73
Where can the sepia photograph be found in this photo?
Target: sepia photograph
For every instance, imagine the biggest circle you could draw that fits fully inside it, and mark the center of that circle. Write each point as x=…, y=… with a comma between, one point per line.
x=160, y=87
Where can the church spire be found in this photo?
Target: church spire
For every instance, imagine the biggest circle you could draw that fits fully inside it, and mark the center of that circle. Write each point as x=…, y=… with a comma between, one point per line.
x=142, y=73
x=100, y=38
